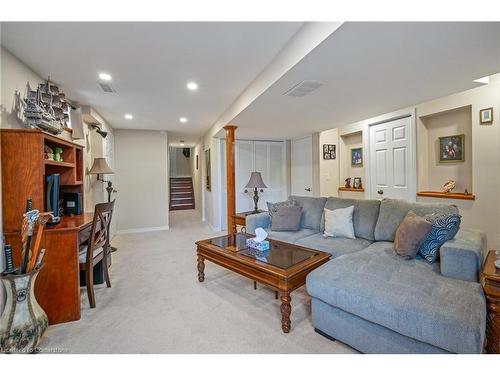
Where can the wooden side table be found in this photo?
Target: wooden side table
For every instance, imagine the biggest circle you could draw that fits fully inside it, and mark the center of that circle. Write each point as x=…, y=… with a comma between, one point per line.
x=240, y=218
x=490, y=279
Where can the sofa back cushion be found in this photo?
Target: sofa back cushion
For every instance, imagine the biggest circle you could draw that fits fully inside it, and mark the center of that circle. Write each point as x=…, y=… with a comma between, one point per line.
x=312, y=211
x=393, y=211
x=364, y=218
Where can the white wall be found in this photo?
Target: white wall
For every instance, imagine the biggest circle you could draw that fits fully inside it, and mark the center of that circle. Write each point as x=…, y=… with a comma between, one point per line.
x=212, y=212
x=141, y=160
x=196, y=174
x=482, y=213
x=180, y=166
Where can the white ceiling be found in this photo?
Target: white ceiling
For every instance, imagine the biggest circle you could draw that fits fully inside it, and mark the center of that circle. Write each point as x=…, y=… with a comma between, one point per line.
x=371, y=69
x=151, y=64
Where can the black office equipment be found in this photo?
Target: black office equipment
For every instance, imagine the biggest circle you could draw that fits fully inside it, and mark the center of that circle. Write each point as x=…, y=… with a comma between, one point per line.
x=72, y=203
x=52, y=197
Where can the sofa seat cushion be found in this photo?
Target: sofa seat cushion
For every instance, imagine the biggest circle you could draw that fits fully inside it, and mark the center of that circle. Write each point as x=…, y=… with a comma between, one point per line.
x=393, y=211
x=336, y=246
x=291, y=237
x=410, y=297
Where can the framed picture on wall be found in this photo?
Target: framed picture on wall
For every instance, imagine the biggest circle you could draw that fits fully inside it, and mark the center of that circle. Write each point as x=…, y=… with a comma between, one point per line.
x=208, y=183
x=486, y=116
x=329, y=152
x=357, y=157
x=451, y=148
x=196, y=162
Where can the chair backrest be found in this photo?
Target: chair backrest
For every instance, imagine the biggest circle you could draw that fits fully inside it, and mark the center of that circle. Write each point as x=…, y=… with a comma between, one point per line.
x=99, y=234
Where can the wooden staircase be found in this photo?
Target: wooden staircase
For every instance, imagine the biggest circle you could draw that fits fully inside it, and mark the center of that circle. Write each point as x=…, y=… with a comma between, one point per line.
x=181, y=193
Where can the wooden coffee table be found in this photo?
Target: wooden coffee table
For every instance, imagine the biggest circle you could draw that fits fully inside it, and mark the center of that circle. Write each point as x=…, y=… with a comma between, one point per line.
x=284, y=267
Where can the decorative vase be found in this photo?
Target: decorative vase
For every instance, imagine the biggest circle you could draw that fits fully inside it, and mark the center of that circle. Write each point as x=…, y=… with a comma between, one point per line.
x=23, y=321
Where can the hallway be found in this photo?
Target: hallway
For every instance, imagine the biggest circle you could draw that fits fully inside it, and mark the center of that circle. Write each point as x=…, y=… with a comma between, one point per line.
x=156, y=304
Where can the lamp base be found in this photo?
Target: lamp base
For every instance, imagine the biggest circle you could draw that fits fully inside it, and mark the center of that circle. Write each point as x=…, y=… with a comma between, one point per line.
x=256, y=201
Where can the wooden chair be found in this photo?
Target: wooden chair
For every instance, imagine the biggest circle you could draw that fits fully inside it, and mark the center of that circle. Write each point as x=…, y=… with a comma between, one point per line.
x=97, y=248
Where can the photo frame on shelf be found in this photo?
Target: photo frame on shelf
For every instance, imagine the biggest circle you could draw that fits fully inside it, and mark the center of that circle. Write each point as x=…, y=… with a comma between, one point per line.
x=208, y=180
x=486, y=116
x=357, y=157
x=357, y=184
x=329, y=152
x=451, y=149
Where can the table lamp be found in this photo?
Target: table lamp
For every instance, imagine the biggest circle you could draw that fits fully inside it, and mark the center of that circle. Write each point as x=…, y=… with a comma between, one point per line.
x=256, y=183
x=101, y=167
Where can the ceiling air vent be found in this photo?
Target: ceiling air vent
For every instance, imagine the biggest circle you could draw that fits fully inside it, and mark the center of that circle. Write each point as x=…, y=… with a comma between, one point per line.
x=106, y=87
x=304, y=88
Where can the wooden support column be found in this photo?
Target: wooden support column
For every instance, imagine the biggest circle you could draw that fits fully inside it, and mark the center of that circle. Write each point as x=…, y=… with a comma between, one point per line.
x=230, y=178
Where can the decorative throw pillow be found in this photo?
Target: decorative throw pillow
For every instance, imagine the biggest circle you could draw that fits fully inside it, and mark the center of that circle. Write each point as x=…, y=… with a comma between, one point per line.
x=286, y=218
x=444, y=228
x=412, y=231
x=273, y=207
x=338, y=223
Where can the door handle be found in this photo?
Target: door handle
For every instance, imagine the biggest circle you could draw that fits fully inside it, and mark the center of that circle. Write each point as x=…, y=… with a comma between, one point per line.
x=307, y=189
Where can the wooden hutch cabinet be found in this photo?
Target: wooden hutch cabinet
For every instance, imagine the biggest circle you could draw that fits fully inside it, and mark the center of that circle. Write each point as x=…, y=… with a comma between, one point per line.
x=24, y=168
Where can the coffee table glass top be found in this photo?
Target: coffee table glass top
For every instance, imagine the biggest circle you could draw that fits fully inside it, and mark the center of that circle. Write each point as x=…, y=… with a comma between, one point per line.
x=280, y=255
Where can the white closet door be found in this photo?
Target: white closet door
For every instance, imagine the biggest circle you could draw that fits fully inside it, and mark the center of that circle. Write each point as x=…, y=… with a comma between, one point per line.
x=268, y=158
x=275, y=180
x=244, y=166
x=301, y=166
x=261, y=152
x=391, y=159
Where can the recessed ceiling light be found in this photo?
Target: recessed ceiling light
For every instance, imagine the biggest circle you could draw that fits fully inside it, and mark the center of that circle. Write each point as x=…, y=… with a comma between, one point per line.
x=105, y=76
x=128, y=116
x=193, y=86
x=183, y=120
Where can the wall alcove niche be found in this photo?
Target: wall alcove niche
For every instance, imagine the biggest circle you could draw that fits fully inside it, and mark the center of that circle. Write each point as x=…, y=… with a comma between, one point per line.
x=347, y=142
x=432, y=172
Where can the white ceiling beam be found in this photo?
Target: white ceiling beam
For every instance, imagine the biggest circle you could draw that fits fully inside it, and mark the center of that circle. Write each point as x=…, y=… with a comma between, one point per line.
x=304, y=41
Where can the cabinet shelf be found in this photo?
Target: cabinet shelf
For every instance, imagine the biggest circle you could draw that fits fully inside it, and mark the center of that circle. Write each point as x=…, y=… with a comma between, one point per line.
x=63, y=164
x=358, y=190
x=443, y=195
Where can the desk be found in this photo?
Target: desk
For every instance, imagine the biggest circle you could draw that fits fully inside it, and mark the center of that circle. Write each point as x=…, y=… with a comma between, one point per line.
x=57, y=288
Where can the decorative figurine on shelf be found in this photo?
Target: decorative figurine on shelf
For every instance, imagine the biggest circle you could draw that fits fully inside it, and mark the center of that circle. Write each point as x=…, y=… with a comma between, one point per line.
x=48, y=153
x=57, y=154
x=466, y=192
x=448, y=186
x=347, y=183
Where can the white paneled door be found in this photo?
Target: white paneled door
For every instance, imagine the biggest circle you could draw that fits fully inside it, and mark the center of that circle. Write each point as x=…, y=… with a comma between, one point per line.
x=301, y=166
x=391, y=160
x=268, y=158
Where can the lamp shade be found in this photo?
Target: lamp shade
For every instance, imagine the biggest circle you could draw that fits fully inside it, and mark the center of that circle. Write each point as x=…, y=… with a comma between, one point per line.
x=100, y=166
x=255, y=181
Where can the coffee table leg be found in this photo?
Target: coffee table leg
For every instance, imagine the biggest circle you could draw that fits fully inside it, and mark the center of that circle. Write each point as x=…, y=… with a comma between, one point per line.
x=286, y=309
x=201, y=269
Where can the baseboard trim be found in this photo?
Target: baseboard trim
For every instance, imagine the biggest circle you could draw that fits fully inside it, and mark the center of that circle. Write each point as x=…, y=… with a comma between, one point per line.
x=142, y=230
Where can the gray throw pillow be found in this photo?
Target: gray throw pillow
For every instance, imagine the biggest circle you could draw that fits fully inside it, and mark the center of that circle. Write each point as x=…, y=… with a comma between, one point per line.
x=286, y=218
x=273, y=207
x=410, y=235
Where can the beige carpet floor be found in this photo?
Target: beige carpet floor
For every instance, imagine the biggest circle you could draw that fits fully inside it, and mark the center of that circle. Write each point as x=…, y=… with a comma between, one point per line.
x=157, y=305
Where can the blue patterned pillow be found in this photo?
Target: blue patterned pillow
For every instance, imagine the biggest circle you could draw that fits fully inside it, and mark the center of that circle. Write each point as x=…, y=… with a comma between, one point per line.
x=444, y=228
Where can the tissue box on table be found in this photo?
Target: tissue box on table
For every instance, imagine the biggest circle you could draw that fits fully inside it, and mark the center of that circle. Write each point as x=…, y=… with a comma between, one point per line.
x=262, y=246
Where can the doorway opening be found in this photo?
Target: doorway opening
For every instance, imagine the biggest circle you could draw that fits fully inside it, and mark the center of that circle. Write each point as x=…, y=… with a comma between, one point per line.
x=181, y=166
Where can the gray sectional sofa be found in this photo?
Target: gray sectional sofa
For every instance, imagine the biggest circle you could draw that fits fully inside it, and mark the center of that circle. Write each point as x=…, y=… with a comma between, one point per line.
x=372, y=299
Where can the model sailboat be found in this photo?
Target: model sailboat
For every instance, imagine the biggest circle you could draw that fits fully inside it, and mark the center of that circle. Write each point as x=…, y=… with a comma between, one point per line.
x=46, y=108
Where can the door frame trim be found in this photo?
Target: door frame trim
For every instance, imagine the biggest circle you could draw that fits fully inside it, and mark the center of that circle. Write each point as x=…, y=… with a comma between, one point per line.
x=412, y=183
